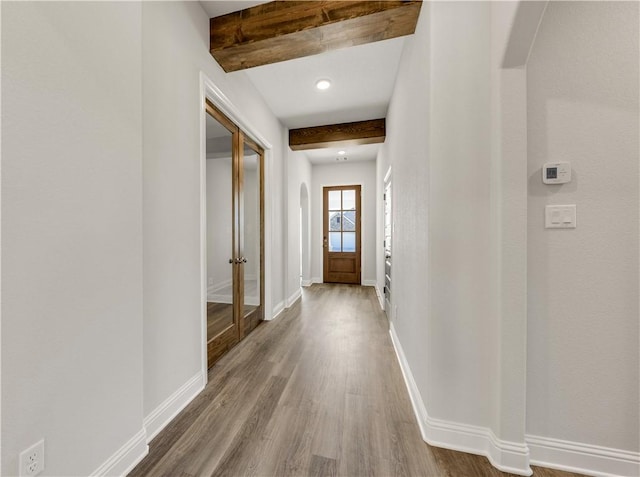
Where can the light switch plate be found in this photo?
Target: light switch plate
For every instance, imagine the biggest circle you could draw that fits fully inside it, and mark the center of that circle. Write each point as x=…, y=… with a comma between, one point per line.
x=560, y=217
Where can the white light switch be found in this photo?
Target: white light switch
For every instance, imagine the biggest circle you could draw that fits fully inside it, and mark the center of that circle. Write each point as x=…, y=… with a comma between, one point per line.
x=560, y=217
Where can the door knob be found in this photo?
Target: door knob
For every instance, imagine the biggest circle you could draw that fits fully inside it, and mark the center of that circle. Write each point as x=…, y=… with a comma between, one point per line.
x=242, y=260
x=231, y=260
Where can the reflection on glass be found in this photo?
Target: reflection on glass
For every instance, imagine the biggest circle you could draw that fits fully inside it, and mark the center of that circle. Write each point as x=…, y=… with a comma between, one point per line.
x=348, y=241
x=219, y=177
x=334, y=221
x=334, y=242
x=348, y=199
x=251, y=239
x=334, y=200
x=349, y=221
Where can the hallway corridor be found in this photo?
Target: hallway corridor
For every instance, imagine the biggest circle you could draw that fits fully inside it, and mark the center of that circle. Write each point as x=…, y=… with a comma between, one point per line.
x=316, y=392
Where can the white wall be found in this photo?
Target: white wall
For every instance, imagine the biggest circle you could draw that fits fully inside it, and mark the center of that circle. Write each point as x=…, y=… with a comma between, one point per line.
x=455, y=141
x=175, y=51
x=353, y=173
x=72, y=232
x=305, y=235
x=406, y=149
x=438, y=142
x=582, y=84
x=298, y=173
x=104, y=109
x=461, y=336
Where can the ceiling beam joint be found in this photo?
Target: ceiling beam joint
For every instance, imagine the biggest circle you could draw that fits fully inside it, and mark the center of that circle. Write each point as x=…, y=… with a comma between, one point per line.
x=284, y=30
x=338, y=135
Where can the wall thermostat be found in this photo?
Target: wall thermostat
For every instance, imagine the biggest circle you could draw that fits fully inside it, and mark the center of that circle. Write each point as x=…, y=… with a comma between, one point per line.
x=556, y=173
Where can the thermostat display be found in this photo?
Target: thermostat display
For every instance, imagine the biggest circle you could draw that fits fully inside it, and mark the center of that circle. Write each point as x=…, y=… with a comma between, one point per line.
x=556, y=173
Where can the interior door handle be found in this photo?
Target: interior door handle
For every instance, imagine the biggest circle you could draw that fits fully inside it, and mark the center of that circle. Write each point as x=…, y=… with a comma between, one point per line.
x=238, y=260
x=242, y=260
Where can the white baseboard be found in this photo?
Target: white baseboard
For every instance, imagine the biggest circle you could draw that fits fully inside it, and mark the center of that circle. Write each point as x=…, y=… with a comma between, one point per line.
x=126, y=458
x=506, y=456
x=213, y=298
x=306, y=283
x=317, y=280
x=228, y=299
x=380, y=297
x=295, y=296
x=216, y=287
x=582, y=458
x=165, y=412
x=279, y=308
x=369, y=283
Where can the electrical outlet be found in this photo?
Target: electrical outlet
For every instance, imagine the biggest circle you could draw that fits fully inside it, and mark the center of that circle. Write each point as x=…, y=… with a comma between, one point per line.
x=32, y=459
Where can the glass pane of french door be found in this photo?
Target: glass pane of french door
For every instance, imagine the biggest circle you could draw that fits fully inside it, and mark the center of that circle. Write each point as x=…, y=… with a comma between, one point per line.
x=251, y=234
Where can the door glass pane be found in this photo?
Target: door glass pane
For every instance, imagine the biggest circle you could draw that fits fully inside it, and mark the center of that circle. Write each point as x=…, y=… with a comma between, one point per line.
x=348, y=241
x=348, y=199
x=334, y=200
x=334, y=221
x=250, y=242
x=349, y=221
x=219, y=177
x=334, y=242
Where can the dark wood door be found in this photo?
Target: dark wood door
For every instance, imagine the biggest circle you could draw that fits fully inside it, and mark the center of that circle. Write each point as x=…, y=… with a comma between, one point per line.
x=235, y=244
x=341, y=234
x=223, y=325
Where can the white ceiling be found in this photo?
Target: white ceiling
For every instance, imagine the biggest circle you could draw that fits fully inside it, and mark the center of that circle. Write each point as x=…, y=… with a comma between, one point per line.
x=362, y=83
x=362, y=79
x=218, y=8
x=366, y=152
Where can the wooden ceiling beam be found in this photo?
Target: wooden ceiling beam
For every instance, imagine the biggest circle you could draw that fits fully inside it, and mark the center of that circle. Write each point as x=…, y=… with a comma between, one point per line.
x=338, y=135
x=284, y=30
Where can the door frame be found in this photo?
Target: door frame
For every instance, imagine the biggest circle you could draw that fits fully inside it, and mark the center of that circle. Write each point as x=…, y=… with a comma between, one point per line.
x=208, y=90
x=320, y=225
x=387, y=183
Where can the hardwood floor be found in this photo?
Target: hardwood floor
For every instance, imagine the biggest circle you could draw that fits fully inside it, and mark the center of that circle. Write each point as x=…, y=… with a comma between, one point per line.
x=219, y=318
x=317, y=392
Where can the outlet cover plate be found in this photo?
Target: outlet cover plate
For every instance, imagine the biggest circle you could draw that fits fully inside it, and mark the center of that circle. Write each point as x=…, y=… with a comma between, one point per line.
x=32, y=459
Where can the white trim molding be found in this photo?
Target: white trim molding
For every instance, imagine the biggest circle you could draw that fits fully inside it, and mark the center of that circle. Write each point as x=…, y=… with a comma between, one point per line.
x=317, y=280
x=380, y=297
x=295, y=296
x=369, y=283
x=169, y=409
x=125, y=458
x=582, y=458
x=306, y=283
x=506, y=456
x=279, y=308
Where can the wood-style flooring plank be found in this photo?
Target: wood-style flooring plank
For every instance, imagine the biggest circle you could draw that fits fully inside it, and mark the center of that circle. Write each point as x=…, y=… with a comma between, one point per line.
x=322, y=467
x=317, y=392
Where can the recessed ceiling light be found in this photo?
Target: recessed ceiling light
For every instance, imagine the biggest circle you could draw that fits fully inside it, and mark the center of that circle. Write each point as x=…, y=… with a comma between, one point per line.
x=323, y=84
x=342, y=153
